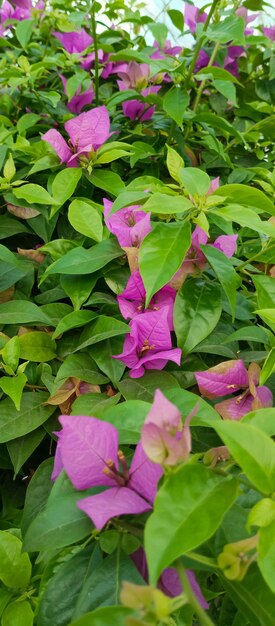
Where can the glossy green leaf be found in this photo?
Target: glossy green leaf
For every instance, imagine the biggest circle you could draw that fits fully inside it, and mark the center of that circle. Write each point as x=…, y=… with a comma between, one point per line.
x=82, y=261
x=18, y=614
x=230, y=29
x=102, y=353
x=224, y=270
x=13, y=387
x=86, y=219
x=161, y=203
x=84, y=583
x=11, y=353
x=32, y=414
x=37, y=493
x=109, y=616
x=175, y=102
x=194, y=500
x=195, y=181
x=15, y=567
x=73, y=320
x=80, y=366
x=253, y=450
x=253, y=597
x=265, y=291
x=102, y=328
x=108, y=181
x=34, y=194
x=161, y=254
x=37, y=346
x=24, y=32
x=144, y=388
x=197, y=311
x=21, y=449
x=174, y=163
x=128, y=418
x=246, y=196
x=22, y=312
x=64, y=185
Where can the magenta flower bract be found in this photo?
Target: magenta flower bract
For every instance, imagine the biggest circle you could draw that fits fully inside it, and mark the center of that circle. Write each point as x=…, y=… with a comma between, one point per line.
x=229, y=377
x=169, y=581
x=132, y=300
x=88, y=451
x=136, y=76
x=270, y=33
x=149, y=345
x=129, y=225
x=137, y=110
x=192, y=17
x=74, y=41
x=195, y=257
x=163, y=437
x=80, y=99
x=87, y=132
x=167, y=49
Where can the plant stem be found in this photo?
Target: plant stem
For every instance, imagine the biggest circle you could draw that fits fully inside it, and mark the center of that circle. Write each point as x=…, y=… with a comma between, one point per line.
x=204, y=619
x=96, y=52
x=203, y=83
x=199, y=44
x=199, y=558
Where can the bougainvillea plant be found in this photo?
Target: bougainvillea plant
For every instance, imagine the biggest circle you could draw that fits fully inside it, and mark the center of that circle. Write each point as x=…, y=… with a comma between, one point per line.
x=137, y=299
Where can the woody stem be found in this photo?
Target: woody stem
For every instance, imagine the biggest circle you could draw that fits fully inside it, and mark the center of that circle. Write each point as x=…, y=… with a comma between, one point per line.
x=96, y=52
x=204, y=619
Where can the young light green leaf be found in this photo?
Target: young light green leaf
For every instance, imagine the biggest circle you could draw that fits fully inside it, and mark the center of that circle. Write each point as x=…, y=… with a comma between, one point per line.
x=197, y=311
x=86, y=219
x=161, y=254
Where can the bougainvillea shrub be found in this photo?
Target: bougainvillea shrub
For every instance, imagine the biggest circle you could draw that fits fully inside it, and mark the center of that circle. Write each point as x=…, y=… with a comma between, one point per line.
x=137, y=299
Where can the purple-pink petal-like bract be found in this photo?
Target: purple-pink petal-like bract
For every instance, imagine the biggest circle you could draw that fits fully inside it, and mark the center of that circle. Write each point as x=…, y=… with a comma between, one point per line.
x=193, y=16
x=163, y=438
x=74, y=41
x=270, y=33
x=129, y=225
x=80, y=98
x=132, y=300
x=149, y=345
x=87, y=132
x=88, y=451
x=229, y=377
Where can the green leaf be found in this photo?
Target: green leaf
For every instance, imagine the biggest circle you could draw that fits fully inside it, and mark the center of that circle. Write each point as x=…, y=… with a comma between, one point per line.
x=197, y=311
x=22, y=312
x=175, y=102
x=268, y=367
x=186, y=402
x=73, y=320
x=109, y=616
x=24, y=31
x=37, y=493
x=60, y=524
x=64, y=185
x=245, y=217
x=128, y=418
x=144, y=388
x=15, y=567
x=108, y=181
x=26, y=121
x=227, y=89
x=11, y=353
x=82, y=261
x=218, y=122
x=174, y=163
x=216, y=73
x=13, y=387
x=160, y=32
x=268, y=315
x=195, y=181
x=33, y=193
x=224, y=270
x=102, y=328
x=263, y=419
x=18, y=613
x=80, y=366
x=161, y=254
x=20, y=449
x=85, y=219
x=266, y=554
x=102, y=353
x=32, y=414
x=84, y=583
x=247, y=196
x=265, y=291
x=163, y=204
x=93, y=404
x=253, y=597
x=5, y=597
x=253, y=450
x=230, y=29
x=128, y=198
x=177, y=18
x=37, y=346
x=194, y=500
x=78, y=291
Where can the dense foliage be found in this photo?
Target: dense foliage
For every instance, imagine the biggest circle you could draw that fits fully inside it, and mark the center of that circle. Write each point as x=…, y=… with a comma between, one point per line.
x=137, y=299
